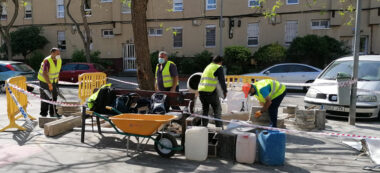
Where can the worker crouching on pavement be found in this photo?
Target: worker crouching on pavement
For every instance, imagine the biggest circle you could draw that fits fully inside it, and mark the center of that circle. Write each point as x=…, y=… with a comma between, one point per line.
x=48, y=76
x=211, y=76
x=270, y=94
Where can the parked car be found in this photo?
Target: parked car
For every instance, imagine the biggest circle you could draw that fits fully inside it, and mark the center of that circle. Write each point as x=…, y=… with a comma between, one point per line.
x=290, y=73
x=71, y=71
x=13, y=68
x=368, y=103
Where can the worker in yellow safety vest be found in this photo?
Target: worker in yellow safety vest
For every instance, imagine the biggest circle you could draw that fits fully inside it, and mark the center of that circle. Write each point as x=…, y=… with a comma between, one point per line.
x=212, y=76
x=166, y=75
x=270, y=94
x=48, y=75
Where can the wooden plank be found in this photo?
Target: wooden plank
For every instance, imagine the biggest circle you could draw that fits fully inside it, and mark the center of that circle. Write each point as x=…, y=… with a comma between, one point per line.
x=63, y=125
x=43, y=120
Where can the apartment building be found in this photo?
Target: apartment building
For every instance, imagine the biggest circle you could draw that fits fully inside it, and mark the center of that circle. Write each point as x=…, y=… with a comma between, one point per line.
x=187, y=27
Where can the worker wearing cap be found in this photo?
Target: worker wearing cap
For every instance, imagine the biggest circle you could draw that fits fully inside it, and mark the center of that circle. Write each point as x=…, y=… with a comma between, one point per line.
x=211, y=77
x=166, y=76
x=270, y=94
x=48, y=76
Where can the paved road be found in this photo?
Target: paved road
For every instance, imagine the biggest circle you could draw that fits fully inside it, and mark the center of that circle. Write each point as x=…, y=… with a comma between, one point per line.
x=31, y=151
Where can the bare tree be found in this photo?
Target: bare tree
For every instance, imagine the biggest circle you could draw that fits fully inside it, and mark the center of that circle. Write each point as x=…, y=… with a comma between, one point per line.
x=86, y=37
x=4, y=30
x=144, y=69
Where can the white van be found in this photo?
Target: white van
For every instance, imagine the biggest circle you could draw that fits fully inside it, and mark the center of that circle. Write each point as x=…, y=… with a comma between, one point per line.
x=322, y=94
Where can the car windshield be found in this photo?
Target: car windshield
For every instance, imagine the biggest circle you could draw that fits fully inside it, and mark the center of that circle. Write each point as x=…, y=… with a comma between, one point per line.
x=368, y=70
x=22, y=67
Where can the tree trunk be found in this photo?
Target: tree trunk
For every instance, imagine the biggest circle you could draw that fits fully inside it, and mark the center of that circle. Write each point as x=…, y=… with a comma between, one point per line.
x=4, y=30
x=9, y=47
x=87, y=40
x=144, y=69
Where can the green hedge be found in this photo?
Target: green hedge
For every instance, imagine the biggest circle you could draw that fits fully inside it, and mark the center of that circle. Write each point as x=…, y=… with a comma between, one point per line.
x=35, y=60
x=269, y=54
x=237, y=59
x=79, y=56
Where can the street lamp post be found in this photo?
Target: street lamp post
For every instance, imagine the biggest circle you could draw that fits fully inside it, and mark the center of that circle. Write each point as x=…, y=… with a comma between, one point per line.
x=352, y=115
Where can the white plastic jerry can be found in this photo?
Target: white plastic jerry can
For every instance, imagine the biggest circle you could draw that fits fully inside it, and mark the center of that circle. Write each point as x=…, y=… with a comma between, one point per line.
x=196, y=143
x=246, y=148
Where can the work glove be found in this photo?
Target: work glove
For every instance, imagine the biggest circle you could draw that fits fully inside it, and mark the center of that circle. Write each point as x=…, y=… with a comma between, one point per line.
x=258, y=114
x=50, y=87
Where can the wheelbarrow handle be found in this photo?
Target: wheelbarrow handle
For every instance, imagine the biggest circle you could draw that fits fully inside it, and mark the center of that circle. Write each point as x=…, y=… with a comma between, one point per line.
x=113, y=109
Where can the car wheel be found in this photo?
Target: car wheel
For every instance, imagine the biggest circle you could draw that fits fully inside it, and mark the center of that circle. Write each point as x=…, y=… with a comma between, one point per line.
x=305, y=89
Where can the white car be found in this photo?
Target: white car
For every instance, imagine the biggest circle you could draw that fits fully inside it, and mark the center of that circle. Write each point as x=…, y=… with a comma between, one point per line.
x=290, y=73
x=322, y=94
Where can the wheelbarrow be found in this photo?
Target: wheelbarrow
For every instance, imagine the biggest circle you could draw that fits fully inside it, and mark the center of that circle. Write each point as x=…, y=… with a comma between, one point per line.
x=145, y=126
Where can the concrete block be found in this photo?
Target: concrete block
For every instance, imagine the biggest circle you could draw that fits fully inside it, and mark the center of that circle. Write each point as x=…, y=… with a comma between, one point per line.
x=264, y=118
x=320, y=119
x=291, y=109
x=306, y=115
x=43, y=120
x=235, y=115
x=281, y=123
x=63, y=125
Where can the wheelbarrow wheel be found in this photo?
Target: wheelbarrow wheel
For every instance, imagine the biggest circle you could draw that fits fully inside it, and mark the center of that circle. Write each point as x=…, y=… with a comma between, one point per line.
x=168, y=141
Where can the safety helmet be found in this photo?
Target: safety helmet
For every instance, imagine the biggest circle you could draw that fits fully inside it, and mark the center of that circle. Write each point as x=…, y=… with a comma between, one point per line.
x=246, y=88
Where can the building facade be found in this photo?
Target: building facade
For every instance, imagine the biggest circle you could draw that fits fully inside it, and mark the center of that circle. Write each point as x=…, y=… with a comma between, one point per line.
x=187, y=27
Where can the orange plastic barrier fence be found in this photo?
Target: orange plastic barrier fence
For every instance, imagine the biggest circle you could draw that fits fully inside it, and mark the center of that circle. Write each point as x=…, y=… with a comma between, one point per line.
x=237, y=81
x=88, y=82
x=12, y=108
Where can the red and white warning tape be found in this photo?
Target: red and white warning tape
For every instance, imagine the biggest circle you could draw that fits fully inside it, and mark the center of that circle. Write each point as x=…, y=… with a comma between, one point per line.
x=129, y=83
x=333, y=134
x=44, y=100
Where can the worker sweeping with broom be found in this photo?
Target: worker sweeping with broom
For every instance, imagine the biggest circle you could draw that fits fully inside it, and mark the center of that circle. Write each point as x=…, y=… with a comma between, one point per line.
x=270, y=94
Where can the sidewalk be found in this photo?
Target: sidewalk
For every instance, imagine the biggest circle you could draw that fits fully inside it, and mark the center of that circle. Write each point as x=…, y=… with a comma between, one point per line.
x=33, y=152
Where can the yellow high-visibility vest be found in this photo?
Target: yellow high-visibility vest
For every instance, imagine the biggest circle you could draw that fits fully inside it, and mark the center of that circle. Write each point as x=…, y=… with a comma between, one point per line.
x=208, y=81
x=166, y=76
x=53, y=70
x=276, y=89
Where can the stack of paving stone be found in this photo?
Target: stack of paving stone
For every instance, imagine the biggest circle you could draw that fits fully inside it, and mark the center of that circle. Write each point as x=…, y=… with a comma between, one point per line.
x=69, y=111
x=305, y=119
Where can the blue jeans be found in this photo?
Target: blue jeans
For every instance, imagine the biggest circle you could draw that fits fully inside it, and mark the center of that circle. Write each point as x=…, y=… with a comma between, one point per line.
x=273, y=109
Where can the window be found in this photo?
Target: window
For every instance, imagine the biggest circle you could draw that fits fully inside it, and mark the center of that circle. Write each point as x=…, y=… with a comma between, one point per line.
x=320, y=24
x=253, y=3
x=291, y=2
x=28, y=9
x=300, y=68
x=279, y=69
x=4, y=15
x=60, y=9
x=69, y=67
x=291, y=29
x=253, y=34
x=87, y=7
x=61, y=40
x=210, y=4
x=155, y=31
x=105, y=0
x=3, y=68
x=107, y=33
x=82, y=67
x=177, y=5
x=210, y=35
x=177, y=37
x=126, y=7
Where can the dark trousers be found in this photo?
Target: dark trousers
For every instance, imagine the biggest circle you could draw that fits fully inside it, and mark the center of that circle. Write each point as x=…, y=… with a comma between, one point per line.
x=273, y=109
x=212, y=99
x=46, y=106
x=173, y=107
